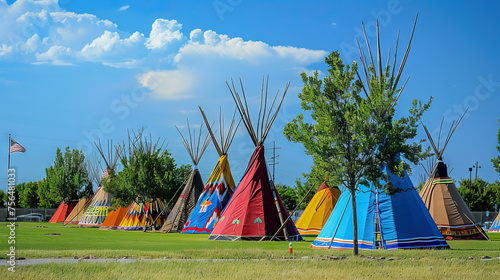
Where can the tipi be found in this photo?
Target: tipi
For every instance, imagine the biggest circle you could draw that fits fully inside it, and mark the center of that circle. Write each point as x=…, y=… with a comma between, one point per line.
x=397, y=221
x=318, y=210
x=446, y=206
x=62, y=212
x=255, y=211
x=114, y=218
x=495, y=227
x=141, y=215
x=77, y=213
x=97, y=211
x=194, y=186
x=219, y=187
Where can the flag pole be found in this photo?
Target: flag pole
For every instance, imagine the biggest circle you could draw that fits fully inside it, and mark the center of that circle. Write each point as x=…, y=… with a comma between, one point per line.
x=8, y=166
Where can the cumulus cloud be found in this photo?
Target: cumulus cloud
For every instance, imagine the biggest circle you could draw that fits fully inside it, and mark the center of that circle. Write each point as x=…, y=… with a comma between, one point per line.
x=41, y=32
x=163, y=33
x=171, y=85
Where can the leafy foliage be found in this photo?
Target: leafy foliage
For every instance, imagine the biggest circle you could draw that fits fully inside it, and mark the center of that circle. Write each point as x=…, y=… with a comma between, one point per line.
x=28, y=196
x=146, y=174
x=480, y=195
x=66, y=177
x=288, y=196
x=350, y=136
x=3, y=199
x=46, y=195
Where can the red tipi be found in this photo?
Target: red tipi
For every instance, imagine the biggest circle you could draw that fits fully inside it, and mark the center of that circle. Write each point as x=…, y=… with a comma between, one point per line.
x=255, y=211
x=62, y=212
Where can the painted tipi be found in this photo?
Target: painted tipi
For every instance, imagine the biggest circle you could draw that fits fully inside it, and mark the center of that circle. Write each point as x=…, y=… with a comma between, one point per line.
x=97, y=211
x=256, y=211
x=446, y=206
x=219, y=187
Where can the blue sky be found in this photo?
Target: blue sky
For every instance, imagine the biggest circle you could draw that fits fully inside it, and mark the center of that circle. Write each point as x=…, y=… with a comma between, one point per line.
x=75, y=71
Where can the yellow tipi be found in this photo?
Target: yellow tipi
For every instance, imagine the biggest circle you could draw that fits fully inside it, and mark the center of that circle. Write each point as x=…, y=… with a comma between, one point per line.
x=318, y=210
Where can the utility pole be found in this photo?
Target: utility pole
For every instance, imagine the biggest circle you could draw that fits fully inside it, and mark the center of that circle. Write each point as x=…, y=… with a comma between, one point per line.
x=476, y=166
x=470, y=177
x=273, y=159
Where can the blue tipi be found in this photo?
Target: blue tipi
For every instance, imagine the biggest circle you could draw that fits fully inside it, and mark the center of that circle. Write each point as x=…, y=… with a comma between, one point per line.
x=395, y=221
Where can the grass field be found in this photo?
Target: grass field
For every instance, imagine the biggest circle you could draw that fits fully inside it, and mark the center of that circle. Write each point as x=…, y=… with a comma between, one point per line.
x=248, y=260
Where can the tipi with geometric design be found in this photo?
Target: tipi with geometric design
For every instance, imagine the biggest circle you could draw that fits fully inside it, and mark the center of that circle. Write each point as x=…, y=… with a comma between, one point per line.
x=219, y=187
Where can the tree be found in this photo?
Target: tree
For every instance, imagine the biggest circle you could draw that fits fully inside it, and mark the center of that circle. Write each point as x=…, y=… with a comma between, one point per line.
x=3, y=199
x=64, y=179
x=46, y=195
x=491, y=196
x=480, y=195
x=288, y=196
x=303, y=188
x=148, y=172
x=28, y=198
x=496, y=161
x=351, y=137
x=18, y=194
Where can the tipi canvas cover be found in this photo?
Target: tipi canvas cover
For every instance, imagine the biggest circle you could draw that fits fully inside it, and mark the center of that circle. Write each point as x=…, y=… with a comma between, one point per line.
x=139, y=216
x=397, y=221
x=495, y=227
x=219, y=187
x=77, y=213
x=191, y=192
x=252, y=213
x=448, y=209
x=62, y=212
x=318, y=210
x=255, y=211
x=97, y=211
x=114, y=218
x=185, y=204
x=212, y=200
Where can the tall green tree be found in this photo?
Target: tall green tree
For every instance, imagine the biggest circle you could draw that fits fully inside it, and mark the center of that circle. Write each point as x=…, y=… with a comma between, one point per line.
x=480, y=195
x=64, y=179
x=353, y=132
x=148, y=172
x=28, y=198
x=46, y=195
x=3, y=199
x=288, y=196
x=496, y=160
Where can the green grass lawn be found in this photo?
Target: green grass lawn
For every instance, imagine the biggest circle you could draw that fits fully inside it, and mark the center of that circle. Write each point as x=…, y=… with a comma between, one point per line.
x=42, y=240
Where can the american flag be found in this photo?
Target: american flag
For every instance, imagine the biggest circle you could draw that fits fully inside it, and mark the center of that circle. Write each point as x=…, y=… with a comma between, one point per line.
x=16, y=147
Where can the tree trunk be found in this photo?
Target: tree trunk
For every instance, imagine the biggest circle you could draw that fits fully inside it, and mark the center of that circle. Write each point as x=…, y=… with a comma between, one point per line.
x=354, y=224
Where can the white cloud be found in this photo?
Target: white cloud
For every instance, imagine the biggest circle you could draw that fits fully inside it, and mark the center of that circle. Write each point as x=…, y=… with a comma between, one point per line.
x=41, y=32
x=163, y=33
x=124, y=8
x=57, y=55
x=172, y=84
